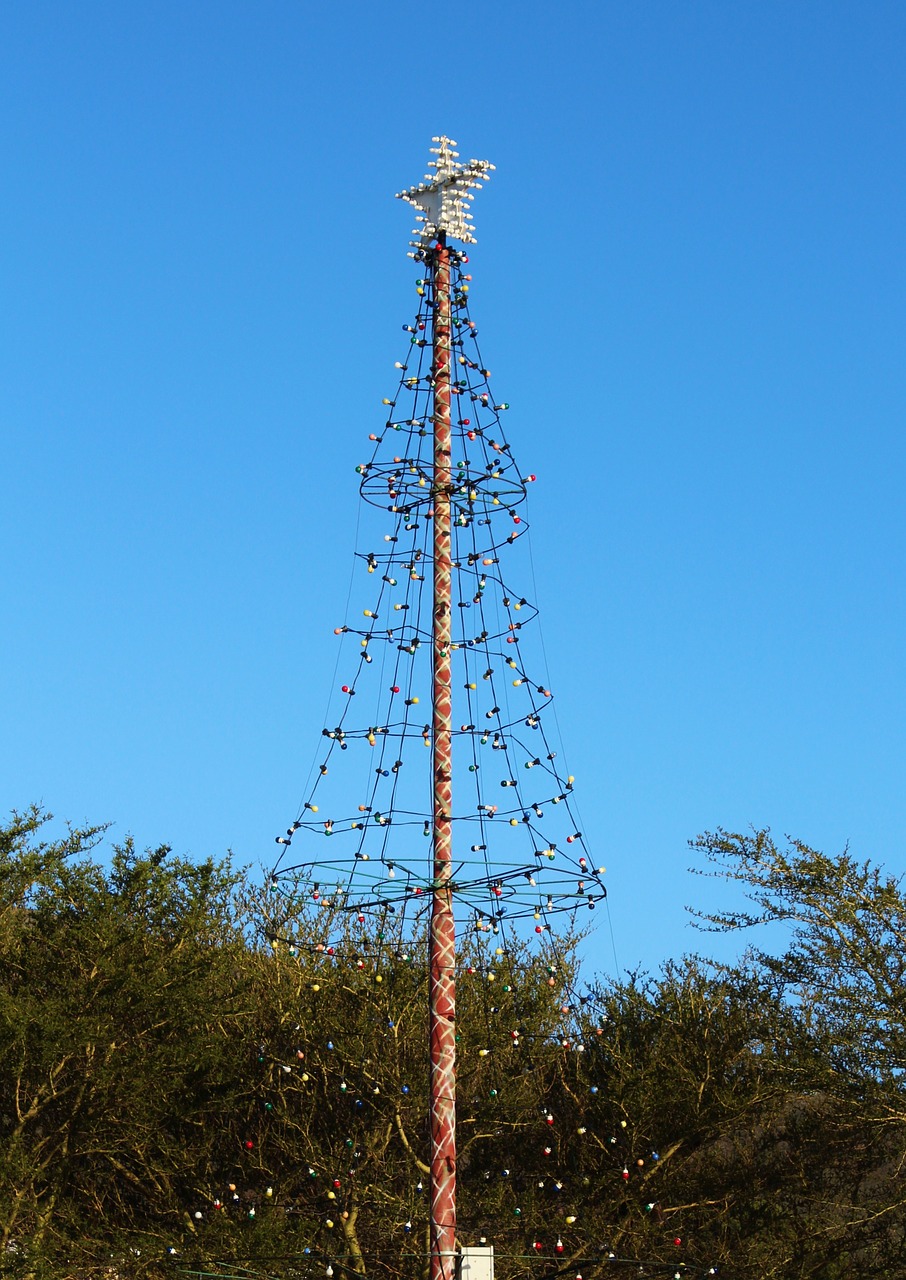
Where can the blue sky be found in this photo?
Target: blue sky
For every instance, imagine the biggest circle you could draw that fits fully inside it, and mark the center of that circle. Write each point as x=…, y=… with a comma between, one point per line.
x=689, y=282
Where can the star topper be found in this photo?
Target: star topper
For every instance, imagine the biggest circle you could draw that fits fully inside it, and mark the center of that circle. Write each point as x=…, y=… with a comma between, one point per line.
x=444, y=195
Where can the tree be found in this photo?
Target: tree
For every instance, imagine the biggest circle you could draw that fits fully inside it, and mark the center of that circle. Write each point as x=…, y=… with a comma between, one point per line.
x=113, y=981
x=840, y=974
x=844, y=963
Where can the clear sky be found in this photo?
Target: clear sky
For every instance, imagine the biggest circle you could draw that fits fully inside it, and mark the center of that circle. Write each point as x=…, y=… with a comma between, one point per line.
x=690, y=287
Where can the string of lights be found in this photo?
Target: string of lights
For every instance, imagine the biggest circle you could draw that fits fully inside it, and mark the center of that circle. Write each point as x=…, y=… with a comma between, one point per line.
x=526, y=857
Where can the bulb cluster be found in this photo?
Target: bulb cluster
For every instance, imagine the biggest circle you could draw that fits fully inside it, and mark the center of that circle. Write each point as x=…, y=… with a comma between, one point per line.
x=443, y=197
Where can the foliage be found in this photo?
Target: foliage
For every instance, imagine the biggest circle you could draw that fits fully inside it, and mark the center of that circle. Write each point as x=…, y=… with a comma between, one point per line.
x=840, y=977
x=845, y=961
x=189, y=1063
x=119, y=995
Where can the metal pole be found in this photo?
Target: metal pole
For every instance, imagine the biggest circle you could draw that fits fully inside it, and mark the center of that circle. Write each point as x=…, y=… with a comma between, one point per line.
x=443, y=929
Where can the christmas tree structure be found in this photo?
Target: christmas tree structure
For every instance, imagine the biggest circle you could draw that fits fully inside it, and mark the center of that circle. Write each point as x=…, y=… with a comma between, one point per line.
x=439, y=790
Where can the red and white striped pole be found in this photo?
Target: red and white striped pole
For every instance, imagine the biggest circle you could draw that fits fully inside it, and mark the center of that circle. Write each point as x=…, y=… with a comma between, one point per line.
x=443, y=200
x=443, y=929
